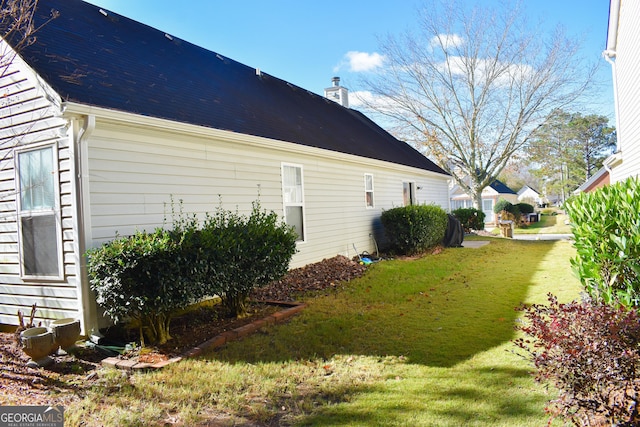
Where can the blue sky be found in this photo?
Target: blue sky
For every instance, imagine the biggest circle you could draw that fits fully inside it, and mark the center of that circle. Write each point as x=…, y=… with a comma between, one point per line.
x=307, y=42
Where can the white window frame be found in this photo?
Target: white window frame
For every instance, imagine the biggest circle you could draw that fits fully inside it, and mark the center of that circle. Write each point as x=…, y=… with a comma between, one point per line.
x=369, y=202
x=286, y=203
x=53, y=211
x=411, y=185
x=460, y=204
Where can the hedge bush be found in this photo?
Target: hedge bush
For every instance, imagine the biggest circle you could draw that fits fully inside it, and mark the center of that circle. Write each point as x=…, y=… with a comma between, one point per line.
x=470, y=218
x=147, y=277
x=415, y=228
x=243, y=252
x=525, y=208
x=606, y=228
x=143, y=279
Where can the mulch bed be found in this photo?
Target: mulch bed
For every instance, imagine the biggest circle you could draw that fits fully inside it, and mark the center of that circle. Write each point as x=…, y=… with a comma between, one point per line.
x=71, y=375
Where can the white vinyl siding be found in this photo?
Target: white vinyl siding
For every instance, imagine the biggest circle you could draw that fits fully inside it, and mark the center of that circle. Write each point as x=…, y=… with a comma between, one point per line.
x=368, y=190
x=627, y=64
x=30, y=119
x=133, y=171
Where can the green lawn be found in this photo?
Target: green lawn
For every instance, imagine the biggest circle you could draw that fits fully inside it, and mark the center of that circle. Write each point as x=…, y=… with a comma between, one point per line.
x=549, y=224
x=422, y=342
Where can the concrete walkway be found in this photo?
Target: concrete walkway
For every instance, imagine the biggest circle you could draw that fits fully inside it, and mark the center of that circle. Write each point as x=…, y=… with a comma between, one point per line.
x=474, y=244
x=542, y=236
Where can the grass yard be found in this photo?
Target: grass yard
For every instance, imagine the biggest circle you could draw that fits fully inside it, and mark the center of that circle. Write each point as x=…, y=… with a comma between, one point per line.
x=548, y=224
x=421, y=342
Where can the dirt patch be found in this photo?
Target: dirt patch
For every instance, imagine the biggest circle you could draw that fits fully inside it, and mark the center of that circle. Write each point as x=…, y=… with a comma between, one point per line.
x=58, y=384
x=71, y=376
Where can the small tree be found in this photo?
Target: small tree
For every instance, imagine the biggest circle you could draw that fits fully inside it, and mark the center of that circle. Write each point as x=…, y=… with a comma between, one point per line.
x=569, y=148
x=473, y=84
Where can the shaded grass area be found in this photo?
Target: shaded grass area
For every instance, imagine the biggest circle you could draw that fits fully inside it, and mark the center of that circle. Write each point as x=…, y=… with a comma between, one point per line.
x=414, y=342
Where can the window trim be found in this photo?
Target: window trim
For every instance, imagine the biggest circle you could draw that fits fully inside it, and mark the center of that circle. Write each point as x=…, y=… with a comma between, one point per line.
x=55, y=211
x=367, y=191
x=301, y=204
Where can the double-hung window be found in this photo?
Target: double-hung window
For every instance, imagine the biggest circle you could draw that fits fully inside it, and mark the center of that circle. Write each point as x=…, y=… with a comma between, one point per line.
x=368, y=190
x=293, y=198
x=38, y=213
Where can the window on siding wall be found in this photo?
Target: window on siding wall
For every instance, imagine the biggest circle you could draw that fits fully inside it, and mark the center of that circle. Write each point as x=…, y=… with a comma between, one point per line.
x=368, y=190
x=409, y=193
x=293, y=198
x=457, y=204
x=38, y=207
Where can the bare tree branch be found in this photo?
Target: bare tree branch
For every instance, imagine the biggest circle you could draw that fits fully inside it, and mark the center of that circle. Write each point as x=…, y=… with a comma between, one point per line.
x=472, y=86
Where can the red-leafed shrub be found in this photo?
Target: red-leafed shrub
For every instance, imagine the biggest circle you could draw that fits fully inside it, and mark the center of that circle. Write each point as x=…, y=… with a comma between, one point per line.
x=590, y=352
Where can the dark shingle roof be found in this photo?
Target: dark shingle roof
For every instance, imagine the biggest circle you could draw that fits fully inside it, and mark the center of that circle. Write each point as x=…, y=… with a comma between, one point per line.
x=114, y=62
x=501, y=187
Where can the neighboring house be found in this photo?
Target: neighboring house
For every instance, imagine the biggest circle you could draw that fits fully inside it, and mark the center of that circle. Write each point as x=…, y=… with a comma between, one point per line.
x=106, y=120
x=528, y=195
x=597, y=180
x=623, y=44
x=490, y=195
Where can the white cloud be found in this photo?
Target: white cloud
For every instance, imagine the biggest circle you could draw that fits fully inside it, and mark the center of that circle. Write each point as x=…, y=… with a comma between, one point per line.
x=360, y=61
x=360, y=98
x=446, y=41
x=367, y=99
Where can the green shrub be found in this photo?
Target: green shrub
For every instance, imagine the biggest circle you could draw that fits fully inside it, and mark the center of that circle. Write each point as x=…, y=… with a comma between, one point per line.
x=243, y=252
x=606, y=228
x=525, y=208
x=147, y=277
x=508, y=211
x=502, y=205
x=470, y=218
x=143, y=279
x=415, y=228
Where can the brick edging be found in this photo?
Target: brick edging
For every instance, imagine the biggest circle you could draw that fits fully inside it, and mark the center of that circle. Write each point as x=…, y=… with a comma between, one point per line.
x=215, y=342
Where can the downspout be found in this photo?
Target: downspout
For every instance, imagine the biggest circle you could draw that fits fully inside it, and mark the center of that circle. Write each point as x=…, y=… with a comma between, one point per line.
x=78, y=155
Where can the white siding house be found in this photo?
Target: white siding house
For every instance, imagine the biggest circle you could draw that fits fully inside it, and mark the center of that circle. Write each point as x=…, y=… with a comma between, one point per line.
x=528, y=195
x=623, y=45
x=490, y=196
x=103, y=126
